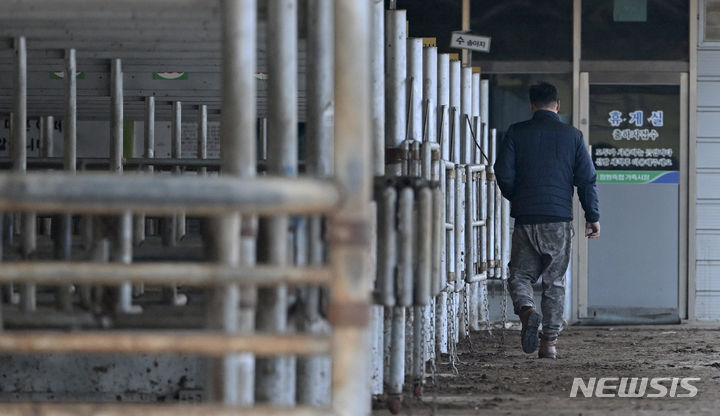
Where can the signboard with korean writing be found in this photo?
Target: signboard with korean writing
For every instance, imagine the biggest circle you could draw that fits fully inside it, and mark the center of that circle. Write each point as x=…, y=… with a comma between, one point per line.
x=462, y=40
x=635, y=133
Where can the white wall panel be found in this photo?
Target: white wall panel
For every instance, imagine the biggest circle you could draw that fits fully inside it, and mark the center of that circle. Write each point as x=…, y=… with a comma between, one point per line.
x=708, y=93
x=708, y=122
x=708, y=63
x=708, y=153
x=708, y=215
x=708, y=275
x=707, y=307
x=708, y=245
x=708, y=184
x=707, y=272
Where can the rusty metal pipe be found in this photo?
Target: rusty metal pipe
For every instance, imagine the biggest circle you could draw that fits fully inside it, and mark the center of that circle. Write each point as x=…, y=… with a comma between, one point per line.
x=202, y=343
x=55, y=409
x=113, y=194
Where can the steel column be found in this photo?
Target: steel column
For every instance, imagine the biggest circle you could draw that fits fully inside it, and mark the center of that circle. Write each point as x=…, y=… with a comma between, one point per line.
x=395, y=85
x=231, y=379
x=202, y=136
x=353, y=146
x=28, y=242
x=415, y=88
x=64, y=234
x=122, y=253
x=275, y=377
x=314, y=372
x=141, y=224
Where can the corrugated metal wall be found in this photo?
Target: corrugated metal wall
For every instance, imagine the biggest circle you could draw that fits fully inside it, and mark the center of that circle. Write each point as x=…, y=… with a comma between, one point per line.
x=708, y=166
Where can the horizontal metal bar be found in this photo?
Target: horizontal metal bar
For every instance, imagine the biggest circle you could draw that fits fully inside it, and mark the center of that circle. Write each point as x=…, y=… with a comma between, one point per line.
x=479, y=223
x=194, y=274
x=476, y=168
x=478, y=277
x=55, y=409
x=115, y=10
x=162, y=343
x=128, y=163
x=156, y=194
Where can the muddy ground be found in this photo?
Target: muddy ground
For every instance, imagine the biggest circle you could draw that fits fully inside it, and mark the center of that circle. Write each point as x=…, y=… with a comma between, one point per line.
x=497, y=378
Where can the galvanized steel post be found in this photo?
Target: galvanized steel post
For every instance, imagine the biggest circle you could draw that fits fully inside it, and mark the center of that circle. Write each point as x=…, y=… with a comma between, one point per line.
x=351, y=290
x=231, y=378
x=275, y=376
x=28, y=301
x=313, y=372
x=123, y=249
x=395, y=87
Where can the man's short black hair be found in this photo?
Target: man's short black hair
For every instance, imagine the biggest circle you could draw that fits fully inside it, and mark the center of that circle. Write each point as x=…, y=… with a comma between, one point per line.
x=543, y=95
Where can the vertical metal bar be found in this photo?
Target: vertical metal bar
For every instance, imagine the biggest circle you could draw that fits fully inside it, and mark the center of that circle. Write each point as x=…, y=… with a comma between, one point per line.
x=505, y=237
x=202, y=137
x=230, y=379
x=482, y=134
x=46, y=136
x=421, y=287
x=395, y=83
x=176, y=150
x=175, y=224
x=443, y=97
x=491, y=187
x=424, y=254
x=19, y=138
x=377, y=109
x=169, y=224
x=377, y=62
x=460, y=267
x=123, y=251
x=498, y=210
x=406, y=241
x=415, y=87
x=397, y=352
x=46, y=150
x=387, y=246
x=64, y=234
x=455, y=101
x=70, y=122
x=263, y=139
x=148, y=152
x=116, y=117
x=274, y=374
x=28, y=220
x=313, y=372
x=352, y=159
x=430, y=91
x=475, y=114
x=484, y=105
x=466, y=109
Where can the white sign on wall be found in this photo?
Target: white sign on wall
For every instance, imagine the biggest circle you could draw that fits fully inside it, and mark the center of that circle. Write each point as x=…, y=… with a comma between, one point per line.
x=461, y=40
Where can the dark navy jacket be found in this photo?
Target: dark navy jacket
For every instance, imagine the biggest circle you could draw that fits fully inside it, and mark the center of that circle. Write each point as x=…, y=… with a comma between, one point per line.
x=538, y=163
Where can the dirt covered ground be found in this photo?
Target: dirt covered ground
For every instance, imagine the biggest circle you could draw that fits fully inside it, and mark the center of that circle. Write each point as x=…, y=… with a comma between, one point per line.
x=497, y=378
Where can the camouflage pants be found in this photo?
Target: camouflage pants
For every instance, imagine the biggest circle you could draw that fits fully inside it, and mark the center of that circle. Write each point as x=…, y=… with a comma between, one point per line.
x=541, y=250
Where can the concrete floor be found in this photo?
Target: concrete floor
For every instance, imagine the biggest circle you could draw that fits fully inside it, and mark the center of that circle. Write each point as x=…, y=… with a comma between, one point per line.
x=497, y=378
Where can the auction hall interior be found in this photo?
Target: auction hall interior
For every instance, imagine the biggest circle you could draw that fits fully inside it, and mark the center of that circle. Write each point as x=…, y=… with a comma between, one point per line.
x=291, y=207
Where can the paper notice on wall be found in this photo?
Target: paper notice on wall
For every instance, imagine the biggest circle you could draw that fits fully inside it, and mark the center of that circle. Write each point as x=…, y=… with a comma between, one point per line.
x=190, y=140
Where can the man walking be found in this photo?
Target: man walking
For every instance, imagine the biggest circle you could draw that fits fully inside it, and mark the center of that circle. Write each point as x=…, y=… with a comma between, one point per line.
x=539, y=163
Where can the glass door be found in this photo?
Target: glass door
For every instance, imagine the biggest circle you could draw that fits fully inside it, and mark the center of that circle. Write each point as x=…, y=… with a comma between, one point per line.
x=637, y=132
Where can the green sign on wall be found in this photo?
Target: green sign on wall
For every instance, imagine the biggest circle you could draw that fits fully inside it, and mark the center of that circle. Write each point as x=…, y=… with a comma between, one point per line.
x=635, y=133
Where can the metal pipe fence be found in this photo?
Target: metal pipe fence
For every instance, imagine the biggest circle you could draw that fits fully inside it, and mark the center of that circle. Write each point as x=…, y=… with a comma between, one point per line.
x=318, y=279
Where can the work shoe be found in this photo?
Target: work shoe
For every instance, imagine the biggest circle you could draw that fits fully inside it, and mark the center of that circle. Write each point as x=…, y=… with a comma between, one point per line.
x=548, y=347
x=530, y=320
